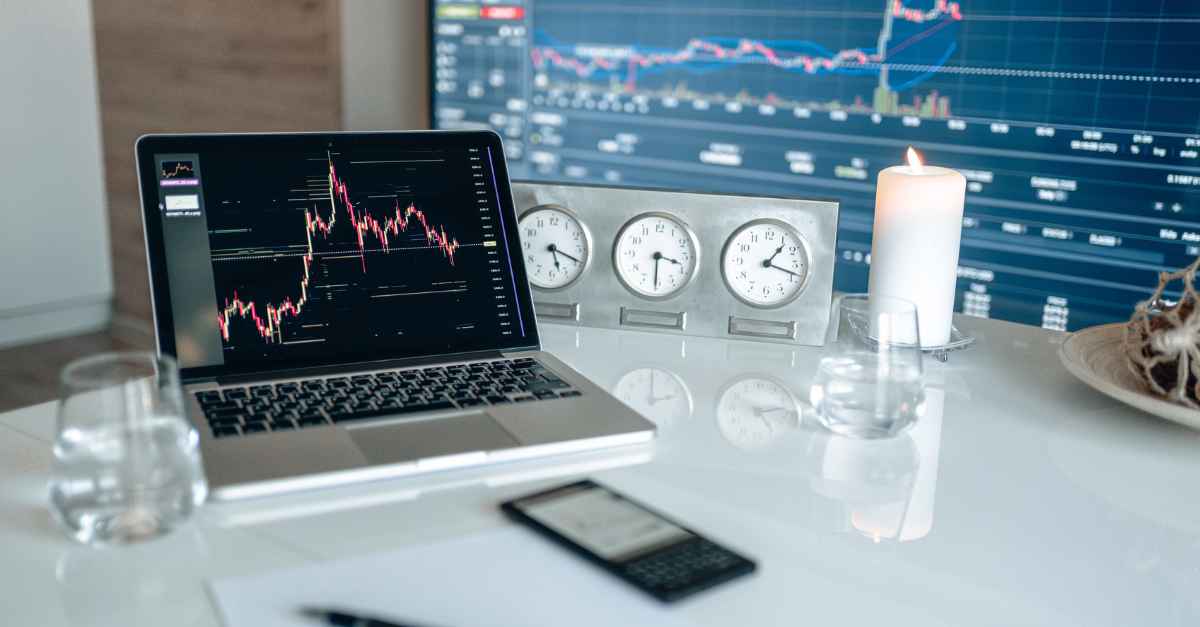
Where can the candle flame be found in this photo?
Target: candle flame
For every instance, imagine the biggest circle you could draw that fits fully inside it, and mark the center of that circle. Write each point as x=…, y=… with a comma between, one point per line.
x=914, y=160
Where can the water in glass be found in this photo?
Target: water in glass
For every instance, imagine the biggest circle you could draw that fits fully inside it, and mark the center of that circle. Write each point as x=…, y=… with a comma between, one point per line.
x=869, y=382
x=126, y=462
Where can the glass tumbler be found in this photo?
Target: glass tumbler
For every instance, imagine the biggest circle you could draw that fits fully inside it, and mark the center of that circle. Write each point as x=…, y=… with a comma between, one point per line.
x=869, y=382
x=126, y=460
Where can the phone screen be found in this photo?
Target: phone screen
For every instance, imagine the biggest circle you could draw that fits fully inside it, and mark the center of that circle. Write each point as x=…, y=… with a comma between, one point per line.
x=603, y=522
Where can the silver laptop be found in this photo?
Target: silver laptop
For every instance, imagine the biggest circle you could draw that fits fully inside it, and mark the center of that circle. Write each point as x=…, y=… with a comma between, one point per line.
x=353, y=306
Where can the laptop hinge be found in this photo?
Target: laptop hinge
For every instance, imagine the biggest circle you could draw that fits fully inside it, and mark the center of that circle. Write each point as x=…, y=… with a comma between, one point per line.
x=295, y=373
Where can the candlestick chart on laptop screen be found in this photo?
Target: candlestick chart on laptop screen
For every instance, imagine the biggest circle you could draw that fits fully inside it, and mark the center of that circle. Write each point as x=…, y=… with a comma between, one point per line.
x=1076, y=123
x=335, y=252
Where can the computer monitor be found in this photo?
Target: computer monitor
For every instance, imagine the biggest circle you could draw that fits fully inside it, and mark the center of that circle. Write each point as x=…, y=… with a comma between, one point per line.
x=1076, y=123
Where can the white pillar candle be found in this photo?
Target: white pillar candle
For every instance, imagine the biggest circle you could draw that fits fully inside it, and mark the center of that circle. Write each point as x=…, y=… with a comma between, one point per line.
x=914, y=248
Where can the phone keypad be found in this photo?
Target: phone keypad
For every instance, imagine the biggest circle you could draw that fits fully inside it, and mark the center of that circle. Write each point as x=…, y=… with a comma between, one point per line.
x=682, y=567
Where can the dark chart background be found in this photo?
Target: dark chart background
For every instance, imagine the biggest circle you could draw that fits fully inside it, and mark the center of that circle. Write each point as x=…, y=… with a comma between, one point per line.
x=361, y=300
x=1076, y=123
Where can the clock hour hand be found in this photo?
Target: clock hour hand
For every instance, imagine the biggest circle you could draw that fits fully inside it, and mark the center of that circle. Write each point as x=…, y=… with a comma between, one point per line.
x=770, y=260
x=653, y=400
x=660, y=256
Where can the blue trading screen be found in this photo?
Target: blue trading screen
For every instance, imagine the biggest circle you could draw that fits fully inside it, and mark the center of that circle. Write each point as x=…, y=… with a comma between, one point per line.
x=1076, y=123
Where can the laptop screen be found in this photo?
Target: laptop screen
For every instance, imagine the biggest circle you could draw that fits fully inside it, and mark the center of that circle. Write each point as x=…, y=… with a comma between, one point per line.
x=292, y=251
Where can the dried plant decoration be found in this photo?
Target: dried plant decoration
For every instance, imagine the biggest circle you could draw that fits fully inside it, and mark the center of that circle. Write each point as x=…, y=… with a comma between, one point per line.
x=1162, y=340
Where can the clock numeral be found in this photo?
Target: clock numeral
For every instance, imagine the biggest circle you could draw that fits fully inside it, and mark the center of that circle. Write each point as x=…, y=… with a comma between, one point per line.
x=764, y=263
x=664, y=251
x=549, y=264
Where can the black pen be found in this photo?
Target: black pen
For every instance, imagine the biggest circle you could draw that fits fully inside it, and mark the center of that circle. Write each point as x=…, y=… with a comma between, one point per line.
x=342, y=619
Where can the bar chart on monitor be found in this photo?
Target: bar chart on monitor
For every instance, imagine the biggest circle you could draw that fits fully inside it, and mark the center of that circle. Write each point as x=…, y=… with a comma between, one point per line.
x=1077, y=124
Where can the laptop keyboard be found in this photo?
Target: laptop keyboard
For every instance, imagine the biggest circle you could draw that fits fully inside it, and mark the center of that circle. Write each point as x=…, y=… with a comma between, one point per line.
x=237, y=411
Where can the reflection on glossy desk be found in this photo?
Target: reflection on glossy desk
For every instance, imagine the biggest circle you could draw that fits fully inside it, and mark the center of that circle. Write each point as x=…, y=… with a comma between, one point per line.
x=1020, y=498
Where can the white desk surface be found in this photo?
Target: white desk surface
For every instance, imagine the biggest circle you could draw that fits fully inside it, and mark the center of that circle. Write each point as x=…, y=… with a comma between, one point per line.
x=1030, y=500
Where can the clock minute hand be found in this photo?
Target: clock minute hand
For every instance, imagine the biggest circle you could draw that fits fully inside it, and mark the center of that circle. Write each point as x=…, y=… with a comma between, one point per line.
x=554, y=248
x=657, y=256
x=783, y=269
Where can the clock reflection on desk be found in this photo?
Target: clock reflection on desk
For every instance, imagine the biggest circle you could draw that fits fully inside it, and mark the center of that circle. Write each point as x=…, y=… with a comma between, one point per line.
x=657, y=394
x=753, y=411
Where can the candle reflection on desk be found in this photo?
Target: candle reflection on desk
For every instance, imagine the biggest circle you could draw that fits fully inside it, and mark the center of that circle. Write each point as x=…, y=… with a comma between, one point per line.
x=927, y=434
x=886, y=488
x=871, y=480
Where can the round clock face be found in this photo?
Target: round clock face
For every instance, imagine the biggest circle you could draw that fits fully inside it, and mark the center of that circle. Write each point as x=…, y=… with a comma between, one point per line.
x=655, y=255
x=765, y=263
x=556, y=247
x=656, y=394
x=752, y=412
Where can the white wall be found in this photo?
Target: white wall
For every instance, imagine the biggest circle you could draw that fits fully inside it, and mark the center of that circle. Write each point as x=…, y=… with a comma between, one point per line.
x=55, y=273
x=55, y=268
x=384, y=65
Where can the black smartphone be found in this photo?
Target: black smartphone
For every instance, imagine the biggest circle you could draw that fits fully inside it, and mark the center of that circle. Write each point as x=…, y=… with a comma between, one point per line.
x=654, y=553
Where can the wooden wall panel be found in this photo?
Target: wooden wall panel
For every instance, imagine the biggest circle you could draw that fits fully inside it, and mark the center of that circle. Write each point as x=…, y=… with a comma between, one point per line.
x=207, y=65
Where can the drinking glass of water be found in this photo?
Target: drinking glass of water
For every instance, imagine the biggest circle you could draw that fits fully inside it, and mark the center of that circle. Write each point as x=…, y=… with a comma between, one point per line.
x=869, y=382
x=126, y=460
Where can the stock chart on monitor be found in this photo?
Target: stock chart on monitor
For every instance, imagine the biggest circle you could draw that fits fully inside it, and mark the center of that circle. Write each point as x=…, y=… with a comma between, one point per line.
x=1076, y=123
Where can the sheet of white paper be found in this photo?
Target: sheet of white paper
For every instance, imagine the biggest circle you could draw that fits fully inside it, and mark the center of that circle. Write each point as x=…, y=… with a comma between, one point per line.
x=508, y=577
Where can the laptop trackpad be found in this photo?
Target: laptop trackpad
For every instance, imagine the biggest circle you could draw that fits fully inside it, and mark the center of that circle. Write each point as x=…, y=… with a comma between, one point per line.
x=419, y=439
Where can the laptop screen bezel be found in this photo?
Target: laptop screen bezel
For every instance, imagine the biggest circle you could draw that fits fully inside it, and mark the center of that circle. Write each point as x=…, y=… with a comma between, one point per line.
x=148, y=146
